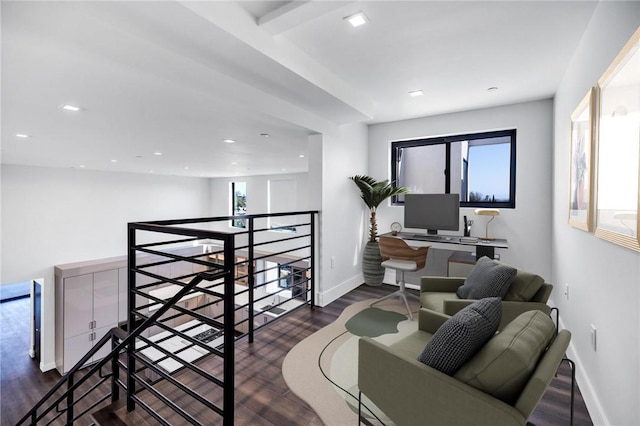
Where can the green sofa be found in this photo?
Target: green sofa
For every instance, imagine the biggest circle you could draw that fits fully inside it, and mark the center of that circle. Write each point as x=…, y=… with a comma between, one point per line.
x=411, y=393
x=526, y=292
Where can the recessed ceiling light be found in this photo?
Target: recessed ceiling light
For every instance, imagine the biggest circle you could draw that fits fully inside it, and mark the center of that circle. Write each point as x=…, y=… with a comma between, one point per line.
x=264, y=135
x=229, y=141
x=158, y=153
x=151, y=171
x=114, y=161
x=71, y=108
x=416, y=93
x=357, y=19
x=301, y=155
x=22, y=136
x=283, y=169
x=492, y=88
x=234, y=163
x=186, y=167
x=81, y=166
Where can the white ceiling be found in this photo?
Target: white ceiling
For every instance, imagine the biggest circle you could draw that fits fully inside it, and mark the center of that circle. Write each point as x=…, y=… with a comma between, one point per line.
x=179, y=77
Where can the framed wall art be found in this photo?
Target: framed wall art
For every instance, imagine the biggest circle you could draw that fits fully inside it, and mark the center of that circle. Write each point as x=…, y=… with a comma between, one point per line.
x=582, y=125
x=618, y=154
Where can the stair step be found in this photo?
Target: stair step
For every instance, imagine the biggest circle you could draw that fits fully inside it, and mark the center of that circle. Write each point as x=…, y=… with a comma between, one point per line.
x=116, y=414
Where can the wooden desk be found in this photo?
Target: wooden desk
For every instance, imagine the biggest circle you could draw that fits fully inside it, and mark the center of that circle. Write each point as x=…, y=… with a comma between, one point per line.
x=483, y=247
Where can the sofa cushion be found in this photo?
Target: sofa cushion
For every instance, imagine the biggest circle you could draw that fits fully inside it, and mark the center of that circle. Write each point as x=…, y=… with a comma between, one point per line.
x=488, y=278
x=462, y=335
x=435, y=300
x=524, y=286
x=503, y=366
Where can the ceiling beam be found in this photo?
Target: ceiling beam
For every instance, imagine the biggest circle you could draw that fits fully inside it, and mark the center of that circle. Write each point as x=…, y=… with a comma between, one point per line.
x=296, y=13
x=233, y=19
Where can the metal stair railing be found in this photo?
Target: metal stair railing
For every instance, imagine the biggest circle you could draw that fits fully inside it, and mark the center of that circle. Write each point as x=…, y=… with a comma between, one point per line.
x=148, y=383
x=115, y=334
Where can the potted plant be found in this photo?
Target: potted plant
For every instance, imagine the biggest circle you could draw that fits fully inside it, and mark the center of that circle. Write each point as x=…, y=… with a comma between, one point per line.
x=374, y=193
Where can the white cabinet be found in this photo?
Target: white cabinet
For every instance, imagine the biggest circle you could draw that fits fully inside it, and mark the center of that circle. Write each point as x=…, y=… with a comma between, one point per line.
x=122, y=295
x=216, y=307
x=86, y=309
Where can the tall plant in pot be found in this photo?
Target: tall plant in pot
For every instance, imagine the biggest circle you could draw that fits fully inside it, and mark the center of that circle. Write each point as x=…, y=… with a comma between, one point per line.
x=373, y=194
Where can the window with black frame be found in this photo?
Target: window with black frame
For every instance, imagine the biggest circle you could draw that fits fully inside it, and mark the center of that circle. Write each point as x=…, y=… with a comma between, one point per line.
x=481, y=167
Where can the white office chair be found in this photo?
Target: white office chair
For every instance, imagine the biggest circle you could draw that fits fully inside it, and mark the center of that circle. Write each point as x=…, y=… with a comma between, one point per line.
x=397, y=254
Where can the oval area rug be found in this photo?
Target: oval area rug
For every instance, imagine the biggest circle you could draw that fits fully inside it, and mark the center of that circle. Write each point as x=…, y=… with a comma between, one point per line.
x=323, y=368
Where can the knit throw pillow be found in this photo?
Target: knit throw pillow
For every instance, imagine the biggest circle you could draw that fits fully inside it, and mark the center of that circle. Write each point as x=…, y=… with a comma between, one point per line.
x=462, y=335
x=488, y=278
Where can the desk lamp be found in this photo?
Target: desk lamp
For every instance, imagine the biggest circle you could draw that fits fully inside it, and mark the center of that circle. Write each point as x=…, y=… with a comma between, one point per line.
x=487, y=212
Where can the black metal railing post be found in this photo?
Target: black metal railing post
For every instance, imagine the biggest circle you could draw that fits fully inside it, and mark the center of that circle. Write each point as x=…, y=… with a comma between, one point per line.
x=312, y=259
x=70, y=399
x=131, y=308
x=251, y=282
x=228, y=404
x=115, y=372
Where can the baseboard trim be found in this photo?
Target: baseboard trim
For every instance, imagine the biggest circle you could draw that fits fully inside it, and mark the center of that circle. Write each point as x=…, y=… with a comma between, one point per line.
x=336, y=292
x=591, y=400
x=46, y=367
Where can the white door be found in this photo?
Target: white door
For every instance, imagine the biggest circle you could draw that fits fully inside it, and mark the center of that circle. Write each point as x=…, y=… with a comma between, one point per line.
x=75, y=348
x=122, y=294
x=105, y=298
x=78, y=305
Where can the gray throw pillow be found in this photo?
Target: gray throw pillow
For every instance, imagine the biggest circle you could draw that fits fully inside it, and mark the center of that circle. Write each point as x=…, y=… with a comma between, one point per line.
x=488, y=278
x=462, y=335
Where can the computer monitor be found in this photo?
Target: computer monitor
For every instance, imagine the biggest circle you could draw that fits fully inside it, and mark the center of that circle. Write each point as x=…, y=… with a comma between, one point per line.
x=433, y=212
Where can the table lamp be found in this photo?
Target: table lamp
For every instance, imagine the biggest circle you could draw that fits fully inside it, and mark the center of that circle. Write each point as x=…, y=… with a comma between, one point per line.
x=487, y=212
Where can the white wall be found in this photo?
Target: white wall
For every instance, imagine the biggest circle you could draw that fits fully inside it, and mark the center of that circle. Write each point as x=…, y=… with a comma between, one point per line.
x=56, y=216
x=528, y=226
x=603, y=278
x=344, y=218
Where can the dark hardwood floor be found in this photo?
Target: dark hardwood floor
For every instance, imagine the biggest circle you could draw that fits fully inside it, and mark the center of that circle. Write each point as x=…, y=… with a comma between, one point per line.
x=262, y=397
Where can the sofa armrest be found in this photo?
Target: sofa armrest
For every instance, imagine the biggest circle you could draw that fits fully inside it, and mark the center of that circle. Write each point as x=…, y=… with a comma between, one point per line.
x=440, y=284
x=543, y=374
x=409, y=392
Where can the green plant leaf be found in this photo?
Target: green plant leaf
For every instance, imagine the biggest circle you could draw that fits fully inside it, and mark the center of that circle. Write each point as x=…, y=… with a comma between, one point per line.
x=373, y=193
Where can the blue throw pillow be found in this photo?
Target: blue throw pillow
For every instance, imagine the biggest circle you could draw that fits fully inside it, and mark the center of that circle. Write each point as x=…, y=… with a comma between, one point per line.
x=488, y=278
x=462, y=335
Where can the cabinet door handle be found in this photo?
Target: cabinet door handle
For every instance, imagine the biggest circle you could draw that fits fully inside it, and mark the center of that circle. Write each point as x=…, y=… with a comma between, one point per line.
x=90, y=325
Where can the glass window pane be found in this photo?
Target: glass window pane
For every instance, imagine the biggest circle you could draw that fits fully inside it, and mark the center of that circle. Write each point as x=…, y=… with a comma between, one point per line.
x=488, y=173
x=421, y=169
x=239, y=203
